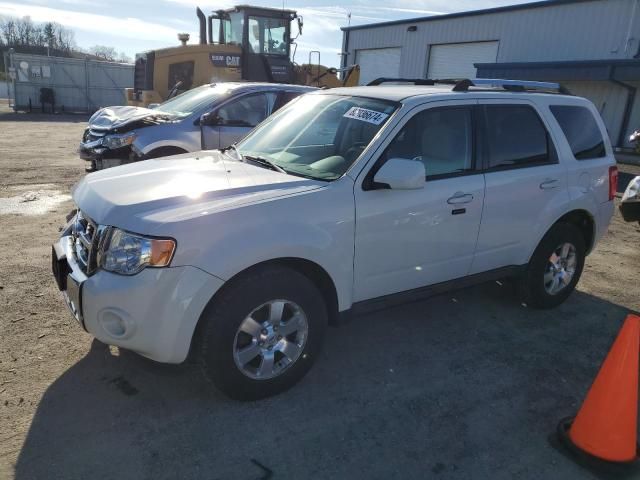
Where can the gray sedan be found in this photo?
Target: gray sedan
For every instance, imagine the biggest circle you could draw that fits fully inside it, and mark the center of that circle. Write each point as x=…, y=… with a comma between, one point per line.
x=207, y=117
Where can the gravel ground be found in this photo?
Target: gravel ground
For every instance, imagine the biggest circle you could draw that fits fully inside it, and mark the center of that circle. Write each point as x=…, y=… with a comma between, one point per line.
x=465, y=385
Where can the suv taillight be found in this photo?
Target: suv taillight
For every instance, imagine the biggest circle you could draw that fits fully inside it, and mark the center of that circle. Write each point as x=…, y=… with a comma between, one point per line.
x=613, y=182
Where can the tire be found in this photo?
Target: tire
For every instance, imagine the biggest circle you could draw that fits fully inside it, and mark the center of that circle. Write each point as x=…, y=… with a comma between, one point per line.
x=223, y=343
x=546, y=286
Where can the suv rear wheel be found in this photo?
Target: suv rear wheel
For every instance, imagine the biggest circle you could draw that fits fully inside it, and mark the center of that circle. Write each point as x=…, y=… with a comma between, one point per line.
x=555, y=267
x=263, y=333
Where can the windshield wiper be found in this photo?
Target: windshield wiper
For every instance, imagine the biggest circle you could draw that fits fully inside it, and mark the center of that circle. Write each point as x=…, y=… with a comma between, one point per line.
x=264, y=162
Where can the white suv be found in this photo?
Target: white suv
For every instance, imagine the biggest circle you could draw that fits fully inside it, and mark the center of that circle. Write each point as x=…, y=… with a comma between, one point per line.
x=343, y=201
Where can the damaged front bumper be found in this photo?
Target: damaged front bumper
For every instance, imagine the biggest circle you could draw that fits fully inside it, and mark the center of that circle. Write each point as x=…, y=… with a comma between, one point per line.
x=104, y=148
x=103, y=157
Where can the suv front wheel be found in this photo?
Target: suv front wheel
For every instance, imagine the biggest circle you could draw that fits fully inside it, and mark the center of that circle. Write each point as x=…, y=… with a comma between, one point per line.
x=262, y=334
x=555, y=267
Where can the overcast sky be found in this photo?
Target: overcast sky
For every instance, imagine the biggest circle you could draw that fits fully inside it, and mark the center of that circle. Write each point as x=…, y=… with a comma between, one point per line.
x=135, y=25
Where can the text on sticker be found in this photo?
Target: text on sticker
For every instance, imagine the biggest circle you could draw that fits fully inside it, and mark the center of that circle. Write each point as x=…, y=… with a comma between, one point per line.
x=370, y=116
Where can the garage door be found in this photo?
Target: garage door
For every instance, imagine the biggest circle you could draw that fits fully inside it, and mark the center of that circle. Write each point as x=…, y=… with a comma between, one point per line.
x=456, y=60
x=378, y=62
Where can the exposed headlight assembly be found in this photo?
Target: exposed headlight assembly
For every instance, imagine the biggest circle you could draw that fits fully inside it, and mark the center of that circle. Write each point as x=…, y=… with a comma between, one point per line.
x=633, y=190
x=118, y=141
x=128, y=253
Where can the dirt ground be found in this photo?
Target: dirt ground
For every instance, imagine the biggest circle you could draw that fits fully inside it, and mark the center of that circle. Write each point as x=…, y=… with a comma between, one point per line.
x=465, y=385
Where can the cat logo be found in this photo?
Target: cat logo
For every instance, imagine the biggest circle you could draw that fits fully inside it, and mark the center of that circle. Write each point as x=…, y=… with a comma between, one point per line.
x=227, y=61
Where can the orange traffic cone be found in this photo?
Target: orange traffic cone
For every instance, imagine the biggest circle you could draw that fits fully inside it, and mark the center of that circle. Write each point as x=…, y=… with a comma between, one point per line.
x=606, y=424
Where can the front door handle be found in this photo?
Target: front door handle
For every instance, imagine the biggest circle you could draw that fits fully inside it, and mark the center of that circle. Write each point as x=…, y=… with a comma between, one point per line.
x=549, y=184
x=459, y=198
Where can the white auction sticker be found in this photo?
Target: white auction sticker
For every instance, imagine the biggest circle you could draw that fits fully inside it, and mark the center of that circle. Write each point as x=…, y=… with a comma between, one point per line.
x=369, y=116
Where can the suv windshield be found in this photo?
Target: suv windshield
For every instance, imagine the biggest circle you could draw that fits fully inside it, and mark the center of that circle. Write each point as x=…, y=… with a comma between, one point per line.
x=318, y=136
x=191, y=101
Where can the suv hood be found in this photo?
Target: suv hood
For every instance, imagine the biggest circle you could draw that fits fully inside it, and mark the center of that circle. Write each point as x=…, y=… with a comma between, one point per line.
x=142, y=196
x=111, y=118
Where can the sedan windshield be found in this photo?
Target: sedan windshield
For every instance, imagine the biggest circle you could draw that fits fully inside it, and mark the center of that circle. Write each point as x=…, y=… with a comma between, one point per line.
x=192, y=100
x=318, y=136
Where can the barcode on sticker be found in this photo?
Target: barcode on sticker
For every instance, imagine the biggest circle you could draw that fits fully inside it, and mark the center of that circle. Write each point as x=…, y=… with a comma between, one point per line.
x=369, y=116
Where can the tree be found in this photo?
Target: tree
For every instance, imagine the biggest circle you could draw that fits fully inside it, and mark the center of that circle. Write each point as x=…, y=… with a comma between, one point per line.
x=124, y=58
x=23, y=33
x=65, y=38
x=49, y=33
x=106, y=53
x=9, y=32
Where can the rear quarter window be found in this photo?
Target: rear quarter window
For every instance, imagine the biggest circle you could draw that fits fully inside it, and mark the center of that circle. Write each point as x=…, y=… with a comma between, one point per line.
x=581, y=131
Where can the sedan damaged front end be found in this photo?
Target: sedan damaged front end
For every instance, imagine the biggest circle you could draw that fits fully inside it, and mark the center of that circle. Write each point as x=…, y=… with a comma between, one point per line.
x=109, y=138
x=104, y=149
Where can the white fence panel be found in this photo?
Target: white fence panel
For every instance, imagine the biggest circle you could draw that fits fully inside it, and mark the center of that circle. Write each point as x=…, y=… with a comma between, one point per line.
x=78, y=85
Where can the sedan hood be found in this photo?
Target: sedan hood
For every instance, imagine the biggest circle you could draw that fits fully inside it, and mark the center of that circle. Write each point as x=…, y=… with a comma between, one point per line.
x=142, y=196
x=110, y=118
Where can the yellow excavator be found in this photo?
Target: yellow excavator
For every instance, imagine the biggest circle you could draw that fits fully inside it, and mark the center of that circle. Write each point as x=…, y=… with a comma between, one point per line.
x=243, y=43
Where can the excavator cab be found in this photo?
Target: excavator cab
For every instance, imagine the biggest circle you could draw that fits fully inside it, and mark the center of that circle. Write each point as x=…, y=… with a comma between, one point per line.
x=264, y=35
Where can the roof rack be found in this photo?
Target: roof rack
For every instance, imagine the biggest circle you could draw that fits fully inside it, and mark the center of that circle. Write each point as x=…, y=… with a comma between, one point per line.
x=415, y=81
x=463, y=85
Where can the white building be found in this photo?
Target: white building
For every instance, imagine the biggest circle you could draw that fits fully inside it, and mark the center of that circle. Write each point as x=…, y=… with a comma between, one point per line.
x=590, y=46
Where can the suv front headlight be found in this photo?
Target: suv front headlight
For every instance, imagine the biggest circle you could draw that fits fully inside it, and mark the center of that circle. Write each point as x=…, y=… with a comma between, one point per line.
x=127, y=253
x=118, y=141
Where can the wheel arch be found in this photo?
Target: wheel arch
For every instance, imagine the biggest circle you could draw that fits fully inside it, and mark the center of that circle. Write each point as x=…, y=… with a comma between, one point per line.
x=585, y=222
x=165, y=151
x=312, y=270
x=582, y=219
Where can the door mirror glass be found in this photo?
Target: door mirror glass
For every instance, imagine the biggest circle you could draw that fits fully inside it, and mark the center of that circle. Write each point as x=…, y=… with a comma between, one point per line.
x=209, y=119
x=151, y=106
x=401, y=174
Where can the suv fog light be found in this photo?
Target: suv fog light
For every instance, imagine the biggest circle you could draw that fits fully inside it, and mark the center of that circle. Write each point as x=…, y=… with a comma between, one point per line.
x=115, y=324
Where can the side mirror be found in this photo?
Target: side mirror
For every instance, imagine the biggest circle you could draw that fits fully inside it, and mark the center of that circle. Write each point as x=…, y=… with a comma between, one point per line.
x=151, y=106
x=401, y=174
x=208, y=119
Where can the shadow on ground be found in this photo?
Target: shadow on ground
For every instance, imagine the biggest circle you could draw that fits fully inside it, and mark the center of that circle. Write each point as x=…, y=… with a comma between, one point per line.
x=467, y=385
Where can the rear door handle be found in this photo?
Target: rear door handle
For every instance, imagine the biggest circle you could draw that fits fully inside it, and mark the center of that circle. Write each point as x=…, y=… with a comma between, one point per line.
x=459, y=198
x=549, y=184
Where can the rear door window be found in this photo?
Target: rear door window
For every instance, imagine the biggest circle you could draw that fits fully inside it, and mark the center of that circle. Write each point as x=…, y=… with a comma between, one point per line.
x=515, y=137
x=581, y=130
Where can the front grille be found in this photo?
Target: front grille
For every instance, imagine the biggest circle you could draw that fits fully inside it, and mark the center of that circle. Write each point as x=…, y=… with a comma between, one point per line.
x=86, y=238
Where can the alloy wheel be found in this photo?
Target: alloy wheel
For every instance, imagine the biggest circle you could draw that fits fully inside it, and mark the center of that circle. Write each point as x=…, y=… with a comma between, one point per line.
x=270, y=339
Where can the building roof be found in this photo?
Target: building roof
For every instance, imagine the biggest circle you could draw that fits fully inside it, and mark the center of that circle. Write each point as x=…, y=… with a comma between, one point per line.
x=618, y=69
x=508, y=8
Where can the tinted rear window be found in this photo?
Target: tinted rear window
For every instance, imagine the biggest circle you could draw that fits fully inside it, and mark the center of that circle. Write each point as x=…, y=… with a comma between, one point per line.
x=581, y=130
x=515, y=137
